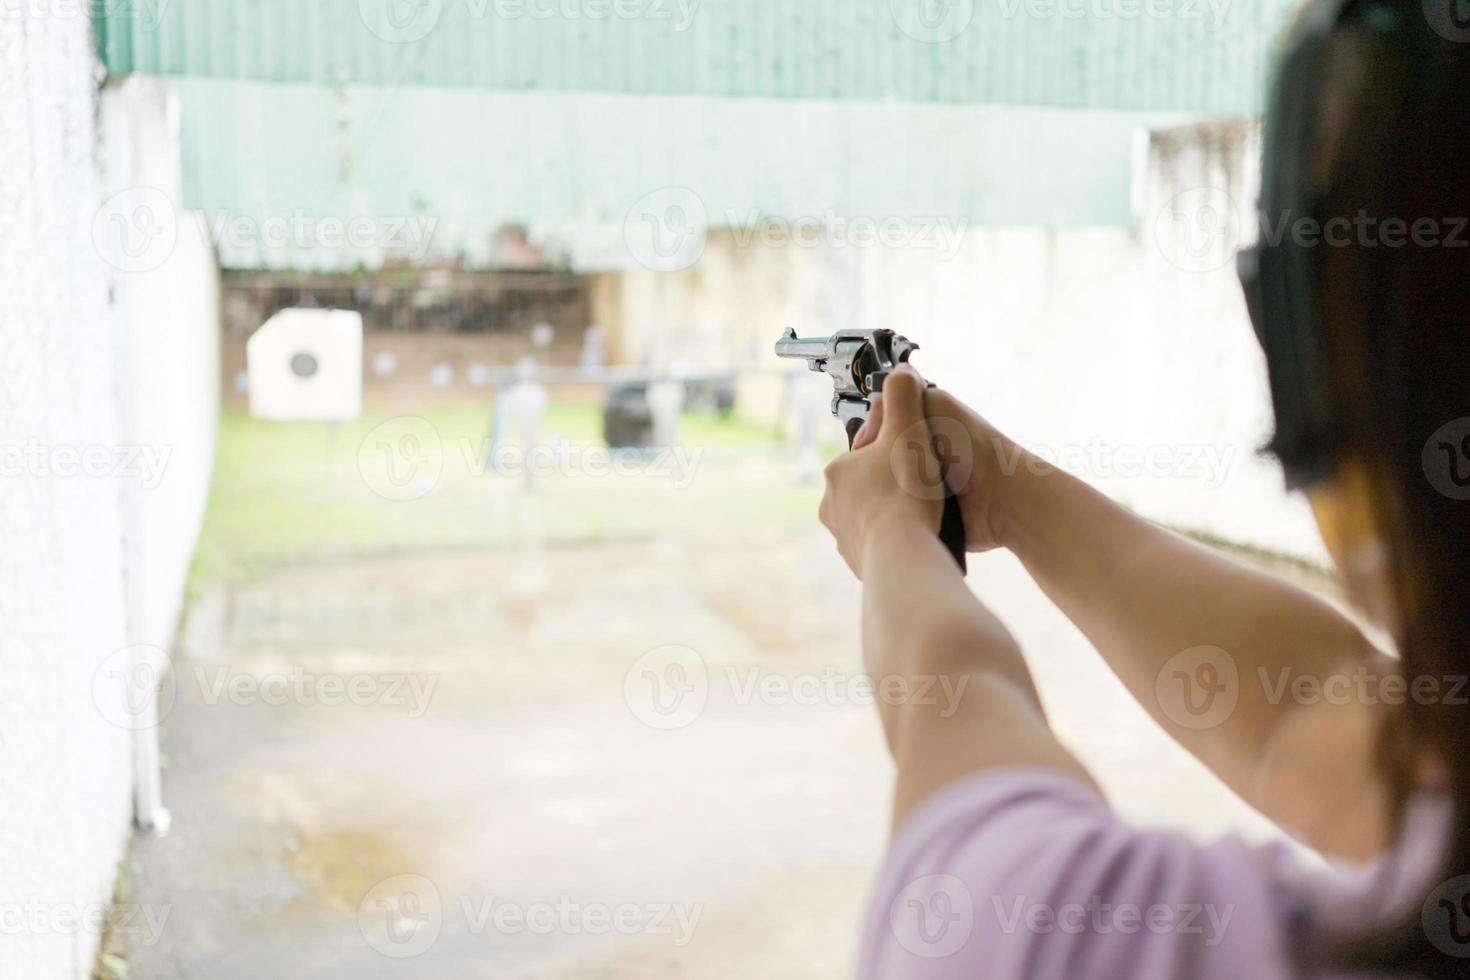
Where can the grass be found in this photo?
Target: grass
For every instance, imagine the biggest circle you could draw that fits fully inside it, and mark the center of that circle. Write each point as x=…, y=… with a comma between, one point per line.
x=292, y=492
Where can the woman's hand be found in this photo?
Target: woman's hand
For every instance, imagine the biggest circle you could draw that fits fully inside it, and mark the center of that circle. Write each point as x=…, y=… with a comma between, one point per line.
x=978, y=460
x=888, y=483
x=981, y=462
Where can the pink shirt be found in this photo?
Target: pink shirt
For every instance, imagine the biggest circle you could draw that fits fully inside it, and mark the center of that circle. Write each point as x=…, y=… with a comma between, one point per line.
x=1021, y=874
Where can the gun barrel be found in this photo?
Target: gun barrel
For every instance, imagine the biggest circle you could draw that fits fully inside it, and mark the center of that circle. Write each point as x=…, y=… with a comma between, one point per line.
x=809, y=348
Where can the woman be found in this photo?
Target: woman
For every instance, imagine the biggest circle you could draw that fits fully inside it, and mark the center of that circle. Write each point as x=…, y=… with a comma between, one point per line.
x=1006, y=861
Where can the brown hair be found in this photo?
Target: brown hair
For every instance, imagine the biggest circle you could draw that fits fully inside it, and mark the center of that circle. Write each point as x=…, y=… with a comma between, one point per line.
x=1394, y=145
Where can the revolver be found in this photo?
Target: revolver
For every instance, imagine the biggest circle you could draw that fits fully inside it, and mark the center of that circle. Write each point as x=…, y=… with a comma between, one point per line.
x=858, y=362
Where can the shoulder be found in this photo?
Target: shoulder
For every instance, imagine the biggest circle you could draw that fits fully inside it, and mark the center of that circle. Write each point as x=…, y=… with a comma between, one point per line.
x=1023, y=873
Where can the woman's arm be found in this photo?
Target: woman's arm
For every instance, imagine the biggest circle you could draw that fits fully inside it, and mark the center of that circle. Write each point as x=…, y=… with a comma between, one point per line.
x=1183, y=627
x=954, y=694
x=974, y=705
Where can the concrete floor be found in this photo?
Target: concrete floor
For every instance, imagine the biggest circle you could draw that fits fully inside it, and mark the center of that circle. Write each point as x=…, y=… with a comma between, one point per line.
x=482, y=831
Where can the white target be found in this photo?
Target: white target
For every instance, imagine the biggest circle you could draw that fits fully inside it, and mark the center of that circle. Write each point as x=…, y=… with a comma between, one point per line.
x=306, y=364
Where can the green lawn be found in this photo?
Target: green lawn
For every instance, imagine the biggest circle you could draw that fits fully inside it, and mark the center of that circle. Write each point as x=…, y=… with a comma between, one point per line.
x=289, y=492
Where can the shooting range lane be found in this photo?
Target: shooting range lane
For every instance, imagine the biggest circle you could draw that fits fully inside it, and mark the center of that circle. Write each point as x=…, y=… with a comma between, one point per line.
x=527, y=779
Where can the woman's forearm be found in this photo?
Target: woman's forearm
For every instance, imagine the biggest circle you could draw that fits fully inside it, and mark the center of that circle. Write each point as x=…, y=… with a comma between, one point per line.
x=919, y=614
x=1152, y=603
x=965, y=700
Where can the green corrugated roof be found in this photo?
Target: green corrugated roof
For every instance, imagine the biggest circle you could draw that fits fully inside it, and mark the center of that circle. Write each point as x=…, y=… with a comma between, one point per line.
x=572, y=166
x=1203, y=56
x=481, y=113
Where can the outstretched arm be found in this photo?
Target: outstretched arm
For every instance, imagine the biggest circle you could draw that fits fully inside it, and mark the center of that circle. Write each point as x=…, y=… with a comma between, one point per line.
x=973, y=704
x=1213, y=650
x=954, y=694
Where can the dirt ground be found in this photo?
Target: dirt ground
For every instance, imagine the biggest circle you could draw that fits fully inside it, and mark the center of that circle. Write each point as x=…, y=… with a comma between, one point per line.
x=461, y=763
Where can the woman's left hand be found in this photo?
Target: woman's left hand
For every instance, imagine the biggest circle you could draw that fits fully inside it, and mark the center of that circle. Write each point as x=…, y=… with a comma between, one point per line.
x=889, y=482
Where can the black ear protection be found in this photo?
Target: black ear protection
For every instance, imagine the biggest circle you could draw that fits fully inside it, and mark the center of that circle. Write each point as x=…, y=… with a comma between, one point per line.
x=1279, y=273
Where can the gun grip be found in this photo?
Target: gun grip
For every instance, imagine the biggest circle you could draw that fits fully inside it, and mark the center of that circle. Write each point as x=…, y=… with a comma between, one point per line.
x=952, y=530
x=951, y=524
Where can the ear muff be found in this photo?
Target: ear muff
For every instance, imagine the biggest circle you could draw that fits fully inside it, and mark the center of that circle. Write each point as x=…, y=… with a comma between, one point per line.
x=1280, y=273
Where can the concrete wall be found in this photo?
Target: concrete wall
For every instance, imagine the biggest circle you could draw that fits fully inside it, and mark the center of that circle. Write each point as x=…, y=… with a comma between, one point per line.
x=1125, y=355
x=95, y=540
x=167, y=321
x=65, y=769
